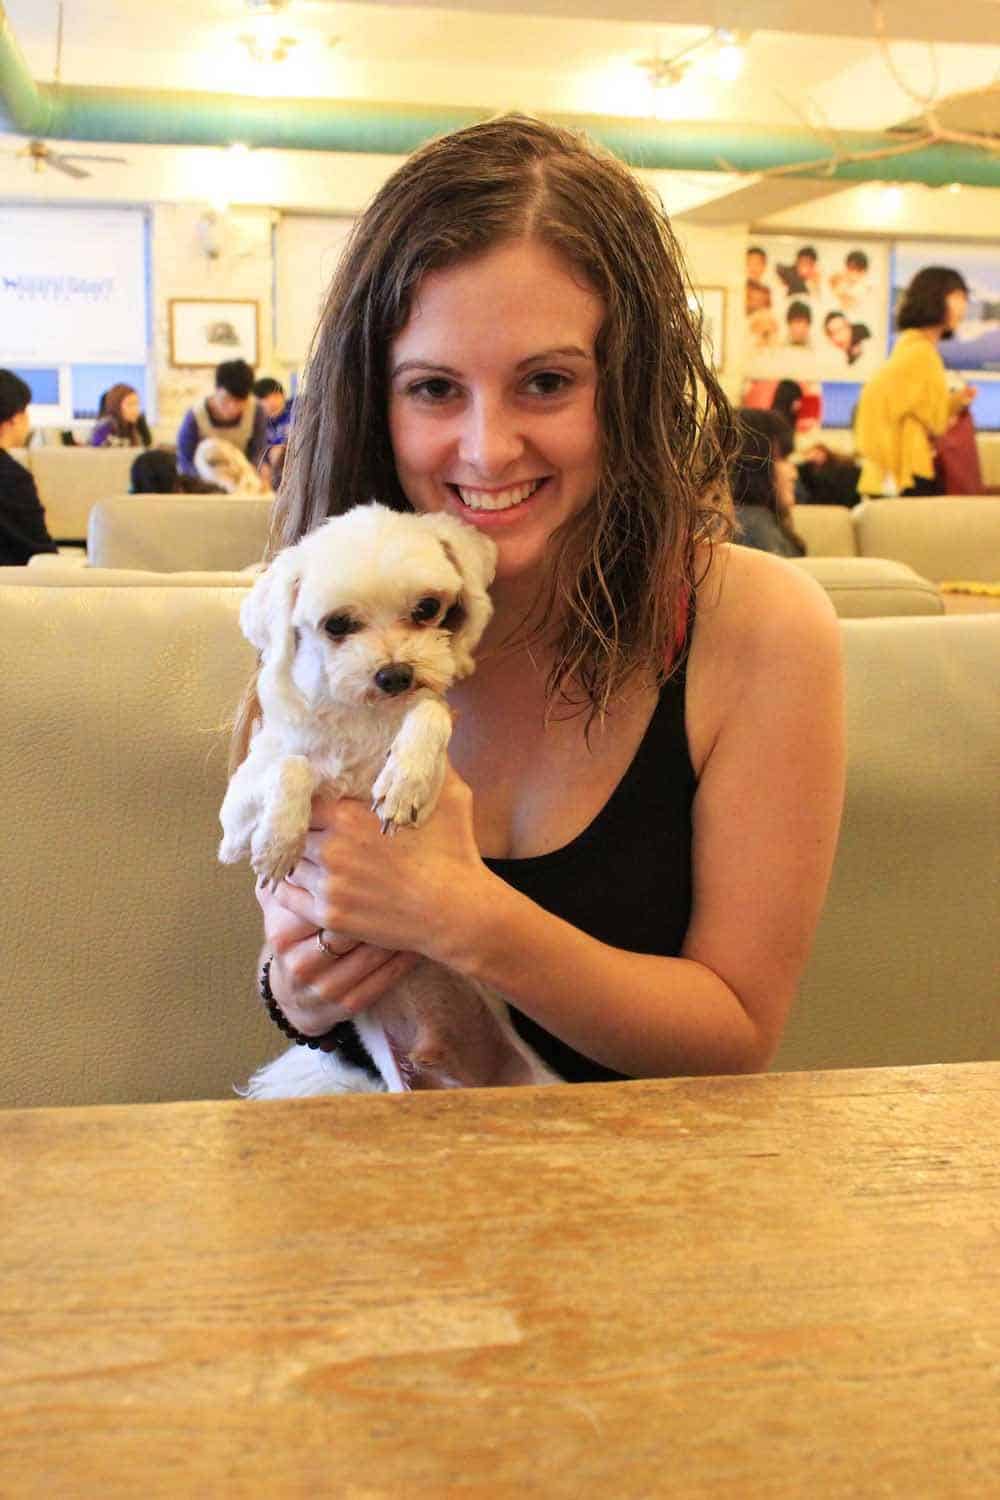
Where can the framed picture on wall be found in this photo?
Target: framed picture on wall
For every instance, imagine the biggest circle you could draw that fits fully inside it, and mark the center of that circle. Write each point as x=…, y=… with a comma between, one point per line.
x=204, y=331
x=712, y=302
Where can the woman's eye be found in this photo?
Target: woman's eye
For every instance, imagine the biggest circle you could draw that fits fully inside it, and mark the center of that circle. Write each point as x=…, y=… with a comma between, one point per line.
x=337, y=626
x=425, y=610
x=436, y=388
x=548, y=383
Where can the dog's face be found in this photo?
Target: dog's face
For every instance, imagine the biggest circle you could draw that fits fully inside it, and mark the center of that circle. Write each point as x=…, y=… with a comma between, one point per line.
x=370, y=606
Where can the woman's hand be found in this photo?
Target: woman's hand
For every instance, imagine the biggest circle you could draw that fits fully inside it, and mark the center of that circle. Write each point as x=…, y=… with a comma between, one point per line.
x=315, y=986
x=419, y=890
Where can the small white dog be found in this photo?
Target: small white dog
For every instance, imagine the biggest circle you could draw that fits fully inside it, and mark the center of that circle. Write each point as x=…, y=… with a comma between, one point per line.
x=222, y=463
x=362, y=627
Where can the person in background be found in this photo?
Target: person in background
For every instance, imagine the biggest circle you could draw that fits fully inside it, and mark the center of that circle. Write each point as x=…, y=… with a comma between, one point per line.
x=23, y=531
x=231, y=413
x=762, y=483
x=907, y=404
x=530, y=367
x=787, y=401
x=121, y=423
x=271, y=395
x=155, y=473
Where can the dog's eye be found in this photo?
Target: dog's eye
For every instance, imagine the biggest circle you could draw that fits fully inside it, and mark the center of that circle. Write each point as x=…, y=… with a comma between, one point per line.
x=337, y=626
x=426, y=610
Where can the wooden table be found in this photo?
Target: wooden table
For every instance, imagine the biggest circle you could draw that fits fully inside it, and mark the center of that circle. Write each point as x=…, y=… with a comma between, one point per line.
x=775, y=1286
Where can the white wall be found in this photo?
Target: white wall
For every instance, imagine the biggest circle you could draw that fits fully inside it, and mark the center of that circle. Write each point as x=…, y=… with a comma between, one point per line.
x=183, y=184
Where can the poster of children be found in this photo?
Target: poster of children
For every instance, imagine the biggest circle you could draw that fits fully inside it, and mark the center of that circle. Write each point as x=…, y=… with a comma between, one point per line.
x=975, y=346
x=815, y=309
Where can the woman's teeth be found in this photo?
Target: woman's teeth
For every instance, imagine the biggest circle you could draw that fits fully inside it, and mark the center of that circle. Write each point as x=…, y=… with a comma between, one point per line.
x=497, y=499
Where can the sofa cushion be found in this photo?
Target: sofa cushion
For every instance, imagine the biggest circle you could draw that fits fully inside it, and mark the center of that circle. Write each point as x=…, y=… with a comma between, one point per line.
x=905, y=962
x=179, y=533
x=129, y=951
x=860, y=586
x=71, y=480
x=827, y=530
x=941, y=537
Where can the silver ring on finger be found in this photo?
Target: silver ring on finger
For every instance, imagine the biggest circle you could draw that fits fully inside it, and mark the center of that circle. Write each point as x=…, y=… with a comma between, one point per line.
x=325, y=947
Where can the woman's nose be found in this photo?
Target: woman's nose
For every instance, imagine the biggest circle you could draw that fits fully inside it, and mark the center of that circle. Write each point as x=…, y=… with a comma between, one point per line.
x=490, y=440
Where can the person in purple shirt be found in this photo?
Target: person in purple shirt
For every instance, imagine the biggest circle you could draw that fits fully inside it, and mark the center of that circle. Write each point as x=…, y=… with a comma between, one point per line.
x=231, y=414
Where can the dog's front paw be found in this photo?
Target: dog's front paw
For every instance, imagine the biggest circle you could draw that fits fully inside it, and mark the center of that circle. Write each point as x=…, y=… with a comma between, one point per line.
x=406, y=792
x=273, y=858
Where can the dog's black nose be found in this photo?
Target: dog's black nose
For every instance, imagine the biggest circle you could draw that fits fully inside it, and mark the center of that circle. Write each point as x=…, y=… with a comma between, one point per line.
x=394, y=679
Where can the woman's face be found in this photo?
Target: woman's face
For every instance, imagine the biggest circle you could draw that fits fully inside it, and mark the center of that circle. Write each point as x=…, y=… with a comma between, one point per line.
x=130, y=407
x=492, y=404
x=955, y=305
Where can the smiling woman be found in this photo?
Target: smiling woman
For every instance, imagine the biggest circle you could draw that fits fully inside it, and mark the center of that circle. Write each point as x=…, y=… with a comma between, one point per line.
x=508, y=343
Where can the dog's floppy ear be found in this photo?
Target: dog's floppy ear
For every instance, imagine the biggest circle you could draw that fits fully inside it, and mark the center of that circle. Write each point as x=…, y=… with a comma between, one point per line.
x=475, y=558
x=266, y=621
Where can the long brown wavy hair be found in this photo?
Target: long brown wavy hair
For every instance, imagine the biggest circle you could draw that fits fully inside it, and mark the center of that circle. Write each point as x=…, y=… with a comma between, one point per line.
x=623, y=568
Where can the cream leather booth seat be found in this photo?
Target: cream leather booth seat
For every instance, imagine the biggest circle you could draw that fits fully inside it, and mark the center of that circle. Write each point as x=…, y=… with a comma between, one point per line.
x=942, y=538
x=905, y=963
x=179, y=533
x=71, y=480
x=862, y=586
x=827, y=530
x=129, y=952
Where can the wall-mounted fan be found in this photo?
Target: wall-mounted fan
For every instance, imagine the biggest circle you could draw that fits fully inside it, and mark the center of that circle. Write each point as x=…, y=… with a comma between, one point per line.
x=40, y=155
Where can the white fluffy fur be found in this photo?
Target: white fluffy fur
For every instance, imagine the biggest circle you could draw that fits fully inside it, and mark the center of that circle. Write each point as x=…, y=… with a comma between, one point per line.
x=222, y=463
x=325, y=722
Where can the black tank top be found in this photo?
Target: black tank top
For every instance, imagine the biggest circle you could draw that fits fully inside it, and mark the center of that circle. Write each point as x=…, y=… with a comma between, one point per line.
x=626, y=879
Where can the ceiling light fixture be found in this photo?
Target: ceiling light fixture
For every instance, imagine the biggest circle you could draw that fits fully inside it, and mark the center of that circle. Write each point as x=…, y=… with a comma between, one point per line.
x=265, y=49
x=731, y=56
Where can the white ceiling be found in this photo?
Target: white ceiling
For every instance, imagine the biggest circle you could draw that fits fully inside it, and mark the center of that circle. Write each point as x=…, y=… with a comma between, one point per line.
x=571, y=55
x=807, y=65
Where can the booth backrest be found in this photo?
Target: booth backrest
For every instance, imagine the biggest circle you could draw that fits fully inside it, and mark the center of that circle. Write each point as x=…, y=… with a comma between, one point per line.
x=941, y=537
x=179, y=533
x=906, y=961
x=826, y=530
x=128, y=951
x=70, y=481
x=863, y=586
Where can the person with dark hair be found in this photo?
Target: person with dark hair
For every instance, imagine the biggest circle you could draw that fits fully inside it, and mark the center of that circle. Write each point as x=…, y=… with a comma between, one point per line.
x=23, y=531
x=155, y=473
x=787, y=401
x=231, y=414
x=271, y=395
x=756, y=263
x=907, y=403
x=121, y=423
x=798, y=320
x=508, y=341
x=762, y=483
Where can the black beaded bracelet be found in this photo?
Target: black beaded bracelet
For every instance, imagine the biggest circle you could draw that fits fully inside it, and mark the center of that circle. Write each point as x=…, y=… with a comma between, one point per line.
x=329, y=1041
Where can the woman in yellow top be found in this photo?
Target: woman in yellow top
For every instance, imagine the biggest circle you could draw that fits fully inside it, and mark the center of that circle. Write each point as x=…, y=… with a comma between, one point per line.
x=908, y=404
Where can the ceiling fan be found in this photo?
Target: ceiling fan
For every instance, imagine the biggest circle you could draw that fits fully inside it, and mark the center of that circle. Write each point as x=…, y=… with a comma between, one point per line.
x=40, y=155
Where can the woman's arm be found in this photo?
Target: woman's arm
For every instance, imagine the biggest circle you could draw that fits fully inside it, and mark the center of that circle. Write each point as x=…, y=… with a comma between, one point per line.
x=765, y=726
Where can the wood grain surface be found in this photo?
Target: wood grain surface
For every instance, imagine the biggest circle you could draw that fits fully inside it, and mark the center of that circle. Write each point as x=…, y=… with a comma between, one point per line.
x=729, y=1288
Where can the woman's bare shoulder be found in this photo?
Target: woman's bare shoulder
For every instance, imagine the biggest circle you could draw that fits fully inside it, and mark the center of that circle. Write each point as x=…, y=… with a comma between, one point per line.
x=746, y=597
x=765, y=631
